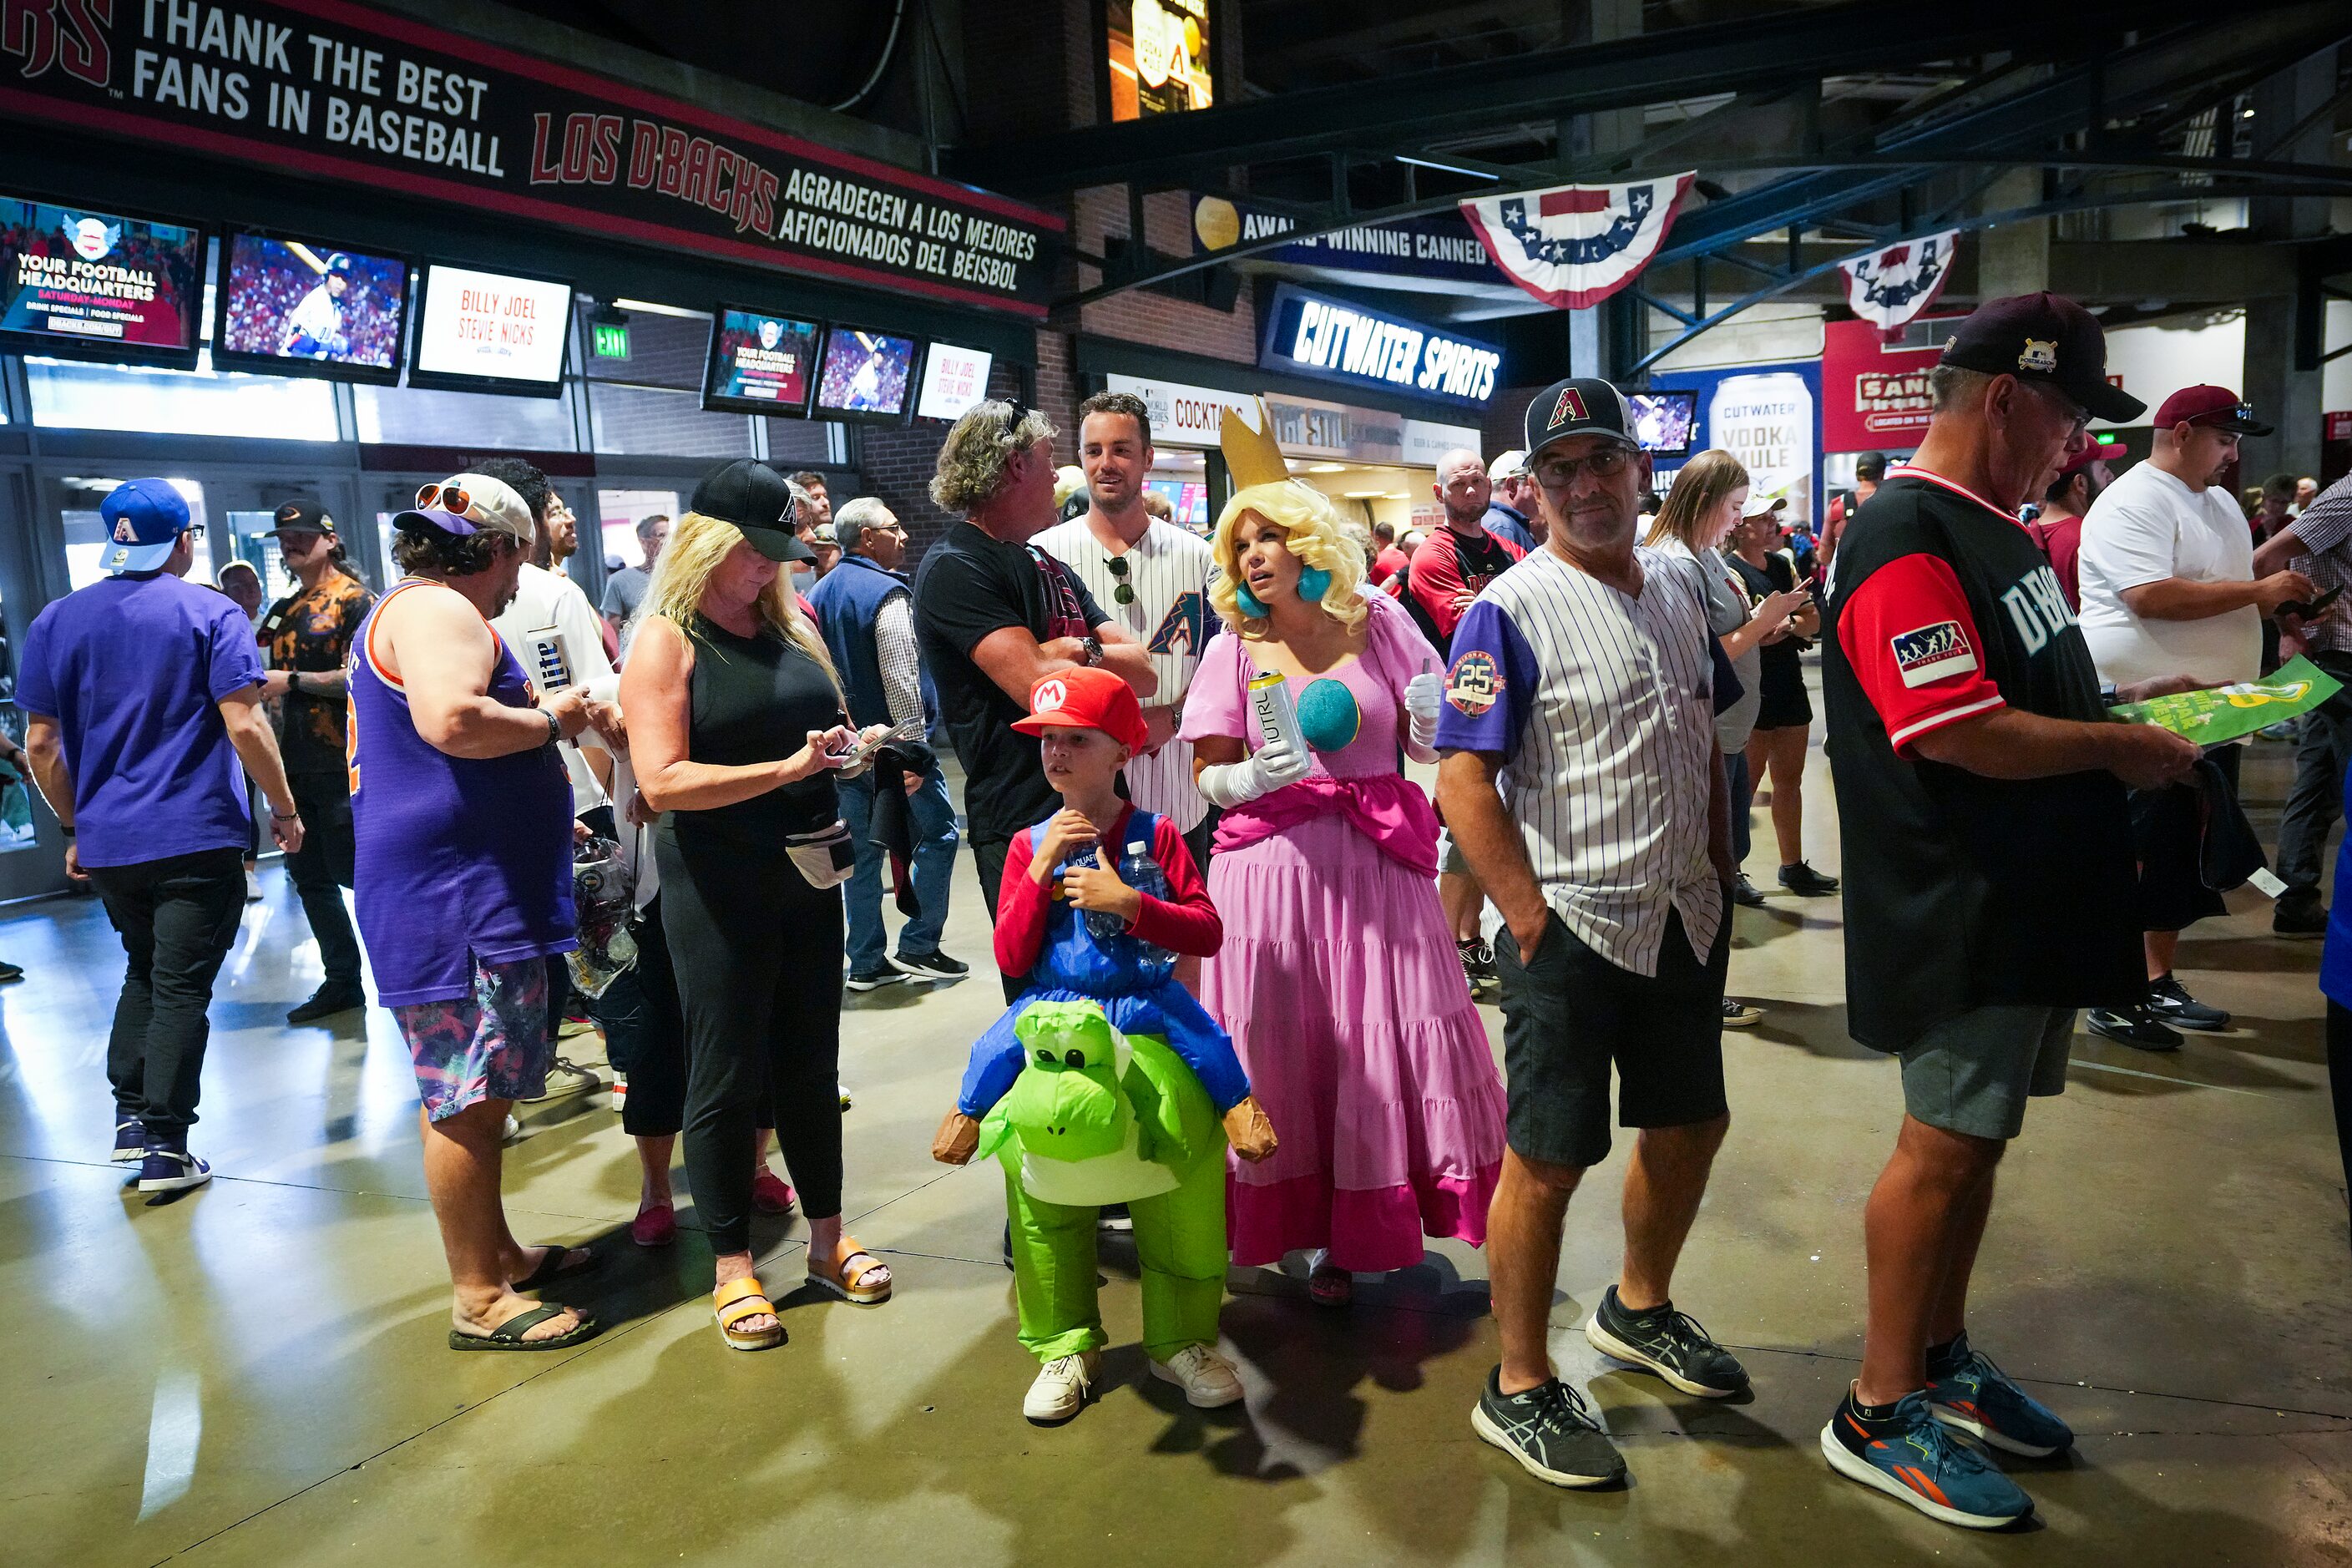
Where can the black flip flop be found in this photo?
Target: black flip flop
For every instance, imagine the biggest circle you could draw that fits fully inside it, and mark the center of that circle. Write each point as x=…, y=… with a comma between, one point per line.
x=509, y=1335
x=551, y=1267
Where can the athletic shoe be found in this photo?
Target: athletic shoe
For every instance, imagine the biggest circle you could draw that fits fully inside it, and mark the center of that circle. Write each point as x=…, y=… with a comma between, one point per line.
x=1478, y=963
x=2169, y=1001
x=874, y=979
x=1910, y=1455
x=1743, y=892
x=129, y=1141
x=10, y=972
x=1977, y=1398
x=566, y=1078
x=166, y=1170
x=2135, y=1027
x=1549, y=1432
x=1668, y=1343
x=2285, y=729
x=1062, y=1387
x=327, y=1001
x=2299, y=914
x=1805, y=882
x=1114, y=1216
x=1208, y=1379
x=931, y=965
x=1738, y=1015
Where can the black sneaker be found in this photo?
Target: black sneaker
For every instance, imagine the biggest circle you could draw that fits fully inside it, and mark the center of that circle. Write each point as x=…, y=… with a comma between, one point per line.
x=10, y=972
x=1113, y=1217
x=327, y=1001
x=931, y=965
x=1738, y=1015
x=2169, y=1001
x=2299, y=914
x=1743, y=892
x=1478, y=963
x=2135, y=1027
x=1549, y=1432
x=874, y=979
x=1805, y=882
x=1669, y=1343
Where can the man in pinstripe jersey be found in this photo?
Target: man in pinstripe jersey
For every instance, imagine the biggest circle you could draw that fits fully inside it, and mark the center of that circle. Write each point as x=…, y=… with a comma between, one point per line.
x=1581, y=780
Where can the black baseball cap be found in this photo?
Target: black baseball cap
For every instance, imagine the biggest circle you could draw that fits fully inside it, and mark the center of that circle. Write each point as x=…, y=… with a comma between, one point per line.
x=758, y=500
x=2043, y=337
x=300, y=517
x=1580, y=405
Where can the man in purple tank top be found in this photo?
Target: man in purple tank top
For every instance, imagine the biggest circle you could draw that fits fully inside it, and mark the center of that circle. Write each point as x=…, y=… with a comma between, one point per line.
x=462, y=815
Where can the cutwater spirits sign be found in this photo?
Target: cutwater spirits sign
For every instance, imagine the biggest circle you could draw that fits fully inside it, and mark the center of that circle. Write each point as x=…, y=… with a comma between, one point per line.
x=1334, y=340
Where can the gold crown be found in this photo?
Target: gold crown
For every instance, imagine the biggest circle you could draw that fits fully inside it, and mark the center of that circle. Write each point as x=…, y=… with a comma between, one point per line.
x=1252, y=457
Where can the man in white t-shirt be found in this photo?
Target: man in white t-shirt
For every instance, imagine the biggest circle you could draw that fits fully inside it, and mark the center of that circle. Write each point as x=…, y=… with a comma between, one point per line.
x=2167, y=579
x=1152, y=578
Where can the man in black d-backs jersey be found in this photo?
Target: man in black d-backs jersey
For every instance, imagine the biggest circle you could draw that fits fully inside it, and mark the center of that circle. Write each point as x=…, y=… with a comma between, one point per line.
x=1989, y=870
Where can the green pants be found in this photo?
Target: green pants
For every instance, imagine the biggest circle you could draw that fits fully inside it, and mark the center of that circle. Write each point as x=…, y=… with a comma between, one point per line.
x=1179, y=1240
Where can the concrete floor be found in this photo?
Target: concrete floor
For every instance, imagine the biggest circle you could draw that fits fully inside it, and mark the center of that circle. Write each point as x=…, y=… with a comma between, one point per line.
x=256, y=1374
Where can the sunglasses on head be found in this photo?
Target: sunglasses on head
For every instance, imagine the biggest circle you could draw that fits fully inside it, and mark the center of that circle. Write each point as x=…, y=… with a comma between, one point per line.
x=444, y=498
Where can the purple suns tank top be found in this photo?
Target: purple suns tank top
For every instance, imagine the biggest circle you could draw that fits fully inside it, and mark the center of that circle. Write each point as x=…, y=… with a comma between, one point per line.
x=457, y=858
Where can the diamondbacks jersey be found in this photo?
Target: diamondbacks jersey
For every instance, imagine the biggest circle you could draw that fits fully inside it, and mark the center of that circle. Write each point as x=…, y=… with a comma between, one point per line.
x=1963, y=891
x=312, y=327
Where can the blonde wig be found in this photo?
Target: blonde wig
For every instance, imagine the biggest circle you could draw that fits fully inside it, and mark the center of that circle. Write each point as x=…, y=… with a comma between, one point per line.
x=971, y=461
x=1697, y=491
x=697, y=545
x=1315, y=537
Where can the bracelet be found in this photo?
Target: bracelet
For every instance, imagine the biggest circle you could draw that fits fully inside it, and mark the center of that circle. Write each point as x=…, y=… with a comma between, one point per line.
x=554, y=726
x=278, y=815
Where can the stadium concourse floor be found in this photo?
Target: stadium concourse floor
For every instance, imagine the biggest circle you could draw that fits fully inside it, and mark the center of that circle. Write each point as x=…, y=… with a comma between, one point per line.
x=256, y=1375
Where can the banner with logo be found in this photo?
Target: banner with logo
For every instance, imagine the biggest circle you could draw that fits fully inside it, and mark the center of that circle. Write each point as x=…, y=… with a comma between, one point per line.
x=1438, y=246
x=1888, y=288
x=326, y=90
x=1767, y=415
x=1873, y=393
x=1573, y=245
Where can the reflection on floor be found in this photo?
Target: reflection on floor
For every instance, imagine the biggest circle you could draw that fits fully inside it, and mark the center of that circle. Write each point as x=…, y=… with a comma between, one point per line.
x=256, y=1374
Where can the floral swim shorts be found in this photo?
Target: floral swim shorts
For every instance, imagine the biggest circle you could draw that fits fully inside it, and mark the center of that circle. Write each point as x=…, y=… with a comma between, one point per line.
x=492, y=1045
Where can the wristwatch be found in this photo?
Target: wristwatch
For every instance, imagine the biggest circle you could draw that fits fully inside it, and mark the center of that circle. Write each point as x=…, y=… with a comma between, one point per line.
x=1092, y=646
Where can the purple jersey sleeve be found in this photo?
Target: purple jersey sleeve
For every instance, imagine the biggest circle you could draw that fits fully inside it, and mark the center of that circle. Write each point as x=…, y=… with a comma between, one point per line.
x=1490, y=687
x=235, y=659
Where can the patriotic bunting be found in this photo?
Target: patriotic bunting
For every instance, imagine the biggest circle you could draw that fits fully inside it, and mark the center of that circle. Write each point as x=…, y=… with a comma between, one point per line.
x=1889, y=287
x=1573, y=245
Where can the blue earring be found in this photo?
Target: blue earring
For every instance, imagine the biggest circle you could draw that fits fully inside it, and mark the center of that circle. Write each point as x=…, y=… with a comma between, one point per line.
x=1313, y=583
x=1252, y=607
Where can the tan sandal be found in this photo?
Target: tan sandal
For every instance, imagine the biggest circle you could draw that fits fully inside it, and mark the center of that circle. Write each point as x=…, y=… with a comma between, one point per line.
x=851, y=1282
x=740, y=1299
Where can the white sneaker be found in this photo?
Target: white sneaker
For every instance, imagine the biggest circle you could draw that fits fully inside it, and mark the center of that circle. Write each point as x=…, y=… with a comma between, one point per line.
x=1062, y=1387
x=1208, y=1379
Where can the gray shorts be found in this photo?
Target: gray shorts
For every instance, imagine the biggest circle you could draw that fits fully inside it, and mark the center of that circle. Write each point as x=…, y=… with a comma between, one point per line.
x=1973, y=1074
x=1450, y=859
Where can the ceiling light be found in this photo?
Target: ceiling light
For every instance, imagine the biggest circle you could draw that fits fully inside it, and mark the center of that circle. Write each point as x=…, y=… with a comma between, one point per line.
x=1327, y=468
x=1364, y=494
x=650, y=308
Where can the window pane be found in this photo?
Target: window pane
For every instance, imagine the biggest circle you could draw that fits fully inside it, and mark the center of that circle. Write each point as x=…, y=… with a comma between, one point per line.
x=664, y=351
x=200, y=402
x=622, y=511
x=88, y=538
x=411, y=416
x=799, y=443
x=640, y=419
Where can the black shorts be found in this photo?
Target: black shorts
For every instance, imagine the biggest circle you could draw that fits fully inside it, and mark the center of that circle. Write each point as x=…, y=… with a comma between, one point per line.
x=1571, y=1013
x=1784, y=703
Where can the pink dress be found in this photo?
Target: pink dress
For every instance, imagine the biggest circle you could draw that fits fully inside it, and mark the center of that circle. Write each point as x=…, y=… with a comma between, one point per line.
x=1341, y=987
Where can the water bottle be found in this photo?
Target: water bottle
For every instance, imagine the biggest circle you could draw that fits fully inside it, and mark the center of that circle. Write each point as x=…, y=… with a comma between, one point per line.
x=1139, y=870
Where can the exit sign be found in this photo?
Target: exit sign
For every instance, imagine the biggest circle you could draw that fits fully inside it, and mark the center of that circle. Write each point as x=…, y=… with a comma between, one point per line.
x=609, y=339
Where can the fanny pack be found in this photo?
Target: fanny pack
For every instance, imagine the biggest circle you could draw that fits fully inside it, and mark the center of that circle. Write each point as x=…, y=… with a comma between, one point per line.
x=825, y=857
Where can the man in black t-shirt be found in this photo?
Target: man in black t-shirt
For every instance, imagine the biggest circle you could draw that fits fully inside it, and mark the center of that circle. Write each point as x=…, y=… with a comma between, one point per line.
x=993, y=615
x=1989, y=870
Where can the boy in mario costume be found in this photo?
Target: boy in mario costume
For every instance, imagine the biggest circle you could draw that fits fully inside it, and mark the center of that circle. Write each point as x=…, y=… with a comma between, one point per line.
x=1105, y=1082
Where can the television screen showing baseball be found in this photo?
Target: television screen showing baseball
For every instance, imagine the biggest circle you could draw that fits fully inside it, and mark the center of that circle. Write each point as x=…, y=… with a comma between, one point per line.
x=866, y=373
x=287, y=300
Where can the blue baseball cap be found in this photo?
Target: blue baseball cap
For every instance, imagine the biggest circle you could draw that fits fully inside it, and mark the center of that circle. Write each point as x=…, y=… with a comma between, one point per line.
x=144, y=518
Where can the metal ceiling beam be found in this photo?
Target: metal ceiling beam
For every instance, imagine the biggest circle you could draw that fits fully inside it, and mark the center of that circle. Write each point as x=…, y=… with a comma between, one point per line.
x=1737, y=57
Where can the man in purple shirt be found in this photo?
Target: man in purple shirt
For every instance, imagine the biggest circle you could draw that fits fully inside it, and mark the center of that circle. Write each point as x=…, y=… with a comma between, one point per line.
x=141, y=694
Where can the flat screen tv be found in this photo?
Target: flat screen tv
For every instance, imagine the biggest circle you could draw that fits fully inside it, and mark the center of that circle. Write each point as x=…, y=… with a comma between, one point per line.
x=489, y=332
x=867, y=376
x=296, y=307
x=77, y=283
x=759, y=364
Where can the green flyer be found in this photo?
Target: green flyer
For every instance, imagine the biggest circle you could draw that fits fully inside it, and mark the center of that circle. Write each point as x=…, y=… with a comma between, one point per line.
x=2227, y=712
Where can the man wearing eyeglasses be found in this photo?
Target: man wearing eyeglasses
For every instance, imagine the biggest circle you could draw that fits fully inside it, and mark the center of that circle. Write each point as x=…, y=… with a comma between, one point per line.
x=2166, y=573
x=1153, y=578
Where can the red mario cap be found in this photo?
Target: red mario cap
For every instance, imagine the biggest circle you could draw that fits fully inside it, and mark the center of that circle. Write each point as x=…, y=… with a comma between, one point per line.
x=1086, y=700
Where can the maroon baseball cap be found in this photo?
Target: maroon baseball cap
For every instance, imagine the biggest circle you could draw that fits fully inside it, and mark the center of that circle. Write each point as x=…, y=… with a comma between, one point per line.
x=2043, y=337
x=2096, y=452
x=2215, y=408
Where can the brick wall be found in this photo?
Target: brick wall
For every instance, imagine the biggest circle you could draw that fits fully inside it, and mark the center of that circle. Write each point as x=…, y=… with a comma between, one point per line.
x=1142, y=316
x=896, y=463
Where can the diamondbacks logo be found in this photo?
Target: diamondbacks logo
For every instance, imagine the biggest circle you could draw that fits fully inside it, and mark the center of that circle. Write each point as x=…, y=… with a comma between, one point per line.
x=2041, y=354
x=1184, y=629
x=1475, y=683
x=122, y=531
x=1049, y=696
x=1569, y=406
x=1931, y=653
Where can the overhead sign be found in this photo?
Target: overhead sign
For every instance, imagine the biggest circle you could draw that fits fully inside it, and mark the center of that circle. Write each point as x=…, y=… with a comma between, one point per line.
x=1334, y=340
x=325, y=89
x=491, y=332
x=1185, y=416
x=1889, y=287
x=1573, y=245
x=1439, y=246
x=1874, y=393
x=1769, y=417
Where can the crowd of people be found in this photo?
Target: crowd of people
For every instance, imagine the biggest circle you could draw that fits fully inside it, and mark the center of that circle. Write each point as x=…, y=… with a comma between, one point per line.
x=1239, y=944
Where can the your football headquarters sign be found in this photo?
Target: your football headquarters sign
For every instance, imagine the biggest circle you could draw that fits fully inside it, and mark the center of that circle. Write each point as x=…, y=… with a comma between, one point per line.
x=1573, y=245
x=334, y=90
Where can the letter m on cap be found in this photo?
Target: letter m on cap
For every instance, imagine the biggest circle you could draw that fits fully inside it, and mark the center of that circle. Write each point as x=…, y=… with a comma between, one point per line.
x=1569, y=406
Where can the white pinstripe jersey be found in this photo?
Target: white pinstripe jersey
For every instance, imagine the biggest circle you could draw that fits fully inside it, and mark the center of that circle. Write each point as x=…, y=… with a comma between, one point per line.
x=1602, y=708
x=1169, y=571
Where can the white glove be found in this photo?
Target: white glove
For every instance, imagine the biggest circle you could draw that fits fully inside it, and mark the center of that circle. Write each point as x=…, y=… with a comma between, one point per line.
x=1423, y=694
x=1275, y=764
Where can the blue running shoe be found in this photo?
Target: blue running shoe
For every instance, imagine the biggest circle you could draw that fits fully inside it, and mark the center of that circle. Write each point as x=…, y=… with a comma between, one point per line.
x=169, y=1169
x=1911, y=1455
x=1979, y=1398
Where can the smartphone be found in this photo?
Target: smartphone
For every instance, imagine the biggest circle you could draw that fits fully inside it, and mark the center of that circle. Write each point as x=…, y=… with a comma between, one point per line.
x=2315, y=608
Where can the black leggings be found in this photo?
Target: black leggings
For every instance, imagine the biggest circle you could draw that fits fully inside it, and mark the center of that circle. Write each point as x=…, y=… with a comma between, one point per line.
x=757, y=954
x=645, y=1034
